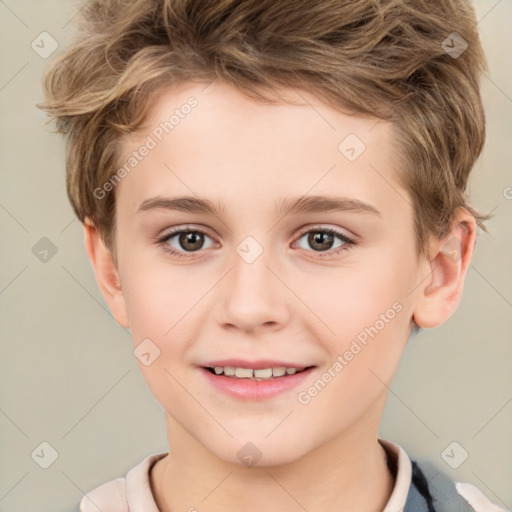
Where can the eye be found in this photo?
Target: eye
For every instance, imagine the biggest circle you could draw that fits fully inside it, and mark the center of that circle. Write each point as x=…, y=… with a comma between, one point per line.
x=181, y=241
x=323, y=240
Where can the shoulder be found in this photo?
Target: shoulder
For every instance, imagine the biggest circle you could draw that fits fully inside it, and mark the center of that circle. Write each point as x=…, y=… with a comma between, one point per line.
x=450, y=495
x=421, y=485
x=112, y=493
x=131, y=493
x=476, y=498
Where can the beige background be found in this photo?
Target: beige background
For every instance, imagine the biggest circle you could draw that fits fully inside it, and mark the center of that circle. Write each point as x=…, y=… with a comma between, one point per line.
x=68, y=376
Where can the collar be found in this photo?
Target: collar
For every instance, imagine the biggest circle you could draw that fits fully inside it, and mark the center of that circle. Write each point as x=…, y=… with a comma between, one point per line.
x=140, y=498
x=403, y=474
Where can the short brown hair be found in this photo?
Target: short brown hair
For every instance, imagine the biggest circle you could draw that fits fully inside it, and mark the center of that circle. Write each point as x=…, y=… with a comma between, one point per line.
x=386, y=58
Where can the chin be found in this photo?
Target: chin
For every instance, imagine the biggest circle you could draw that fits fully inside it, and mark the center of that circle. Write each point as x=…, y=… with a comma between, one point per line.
x=258, y=451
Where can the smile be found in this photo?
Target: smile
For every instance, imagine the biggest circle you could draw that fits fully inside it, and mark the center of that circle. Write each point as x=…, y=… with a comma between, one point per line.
x=250, y=384
x=249, y=373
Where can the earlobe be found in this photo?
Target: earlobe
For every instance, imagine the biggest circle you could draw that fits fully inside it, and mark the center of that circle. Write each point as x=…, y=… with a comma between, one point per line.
x=106, y=273
x=441, y=292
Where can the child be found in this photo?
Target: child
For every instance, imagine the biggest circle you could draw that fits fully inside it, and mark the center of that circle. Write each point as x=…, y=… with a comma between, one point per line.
x=257, y=131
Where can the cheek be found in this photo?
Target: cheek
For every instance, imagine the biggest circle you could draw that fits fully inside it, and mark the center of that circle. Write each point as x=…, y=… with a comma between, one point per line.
x=364, y=356
x=157, y=296
x=162, y=304
x=348, y=299
x=368, y=314
x=159, y=326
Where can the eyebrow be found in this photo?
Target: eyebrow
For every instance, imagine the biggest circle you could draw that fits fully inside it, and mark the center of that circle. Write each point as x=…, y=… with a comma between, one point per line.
x=304, y=204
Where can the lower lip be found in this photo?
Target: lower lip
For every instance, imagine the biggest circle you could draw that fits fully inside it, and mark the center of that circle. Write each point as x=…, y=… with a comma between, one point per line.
x=246, y=389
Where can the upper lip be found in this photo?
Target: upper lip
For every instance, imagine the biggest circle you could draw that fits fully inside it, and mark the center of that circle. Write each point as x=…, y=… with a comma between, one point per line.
x=261, y=364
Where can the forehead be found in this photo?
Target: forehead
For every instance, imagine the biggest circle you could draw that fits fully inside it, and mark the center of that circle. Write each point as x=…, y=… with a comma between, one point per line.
x=219, y=106
x=211, y=139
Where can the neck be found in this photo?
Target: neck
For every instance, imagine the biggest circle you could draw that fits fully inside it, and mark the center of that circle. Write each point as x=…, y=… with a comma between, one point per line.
x=347, y=474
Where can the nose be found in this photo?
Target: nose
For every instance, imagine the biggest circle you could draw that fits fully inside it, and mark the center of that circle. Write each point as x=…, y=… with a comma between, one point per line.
x=253, y=296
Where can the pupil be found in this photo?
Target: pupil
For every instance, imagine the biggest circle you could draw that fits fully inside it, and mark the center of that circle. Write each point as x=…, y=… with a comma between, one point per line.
x=194, y=238
x=316, y=238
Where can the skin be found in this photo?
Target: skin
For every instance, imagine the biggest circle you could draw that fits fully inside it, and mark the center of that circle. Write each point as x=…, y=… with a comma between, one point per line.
x=295, y=302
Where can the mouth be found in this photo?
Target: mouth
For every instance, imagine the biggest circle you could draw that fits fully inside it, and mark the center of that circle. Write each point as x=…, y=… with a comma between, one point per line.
x=261, y=374
x=255, y=384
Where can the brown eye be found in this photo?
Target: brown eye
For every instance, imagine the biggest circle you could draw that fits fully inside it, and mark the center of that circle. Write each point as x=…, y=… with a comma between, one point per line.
x=325, y=240
x=191, y=241
x=320, y=240
x=186, y=241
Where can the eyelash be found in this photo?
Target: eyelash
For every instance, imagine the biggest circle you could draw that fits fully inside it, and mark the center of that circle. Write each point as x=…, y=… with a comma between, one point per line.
x=348, y=242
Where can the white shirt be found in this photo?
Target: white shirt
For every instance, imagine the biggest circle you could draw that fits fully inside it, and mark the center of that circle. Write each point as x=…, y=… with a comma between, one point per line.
x=132, y=493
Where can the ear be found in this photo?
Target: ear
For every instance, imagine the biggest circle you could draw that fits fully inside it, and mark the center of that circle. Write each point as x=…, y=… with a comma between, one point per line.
x=450, y=257
x=106, y=273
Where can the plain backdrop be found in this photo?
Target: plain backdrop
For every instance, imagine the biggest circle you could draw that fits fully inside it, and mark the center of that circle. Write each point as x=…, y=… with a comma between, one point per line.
x=68, y=376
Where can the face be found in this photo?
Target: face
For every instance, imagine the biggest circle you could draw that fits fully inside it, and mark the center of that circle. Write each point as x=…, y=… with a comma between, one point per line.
x=295, y=248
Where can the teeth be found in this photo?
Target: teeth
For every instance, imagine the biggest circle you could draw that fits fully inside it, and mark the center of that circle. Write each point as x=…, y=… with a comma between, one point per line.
x=263, y=374
x=278, y=372
x=243, y=373
x=249, y=373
